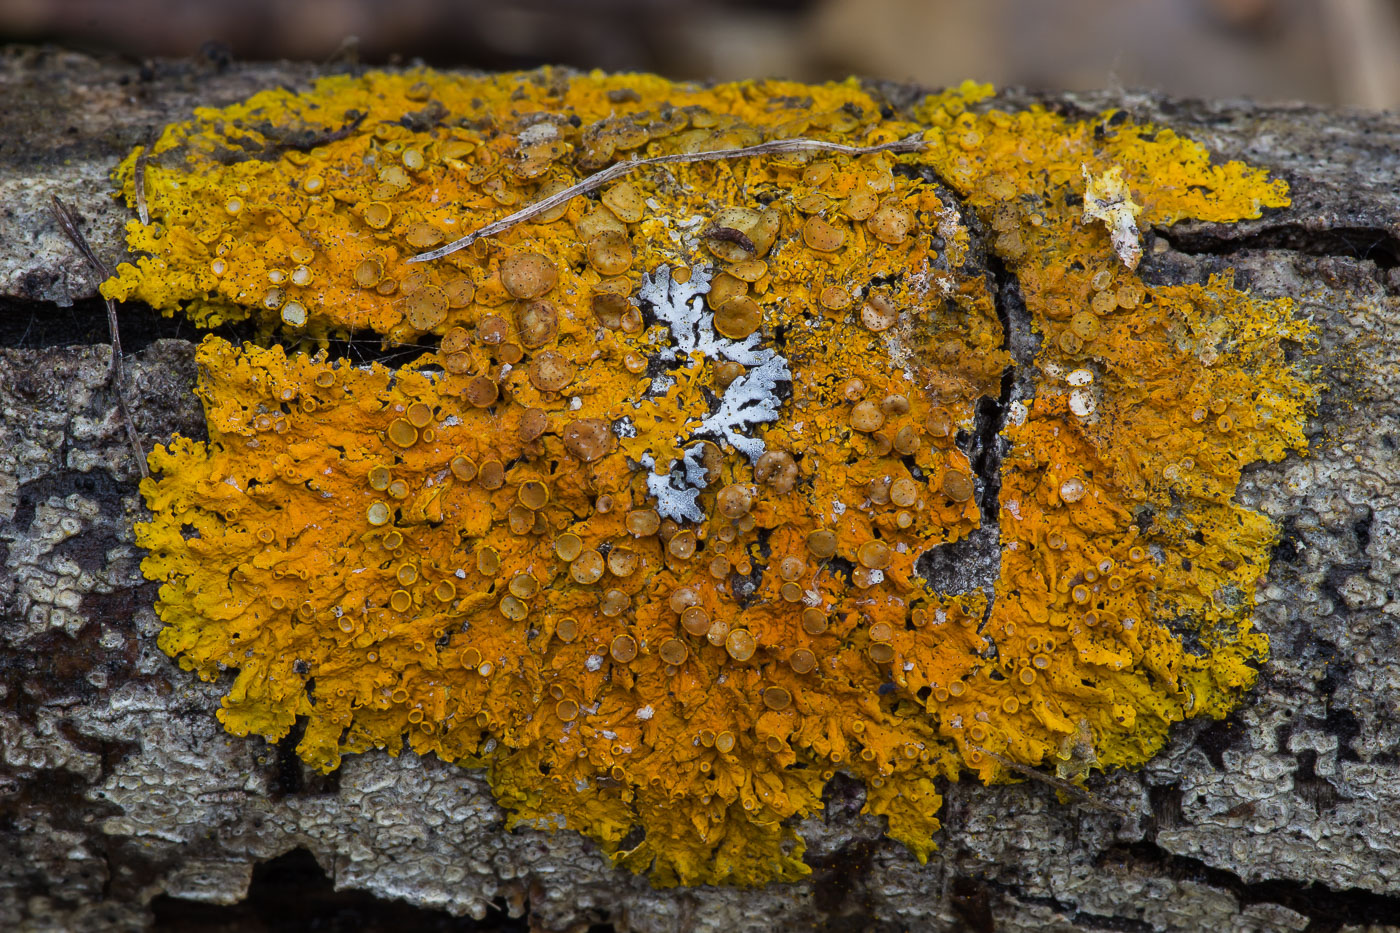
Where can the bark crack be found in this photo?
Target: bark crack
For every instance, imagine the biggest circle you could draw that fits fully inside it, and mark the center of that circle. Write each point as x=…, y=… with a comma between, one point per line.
x=1327, y=909
x=1366, y=244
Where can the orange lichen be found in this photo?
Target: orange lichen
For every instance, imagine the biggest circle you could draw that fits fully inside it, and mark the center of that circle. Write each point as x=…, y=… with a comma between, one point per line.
x=641, y=536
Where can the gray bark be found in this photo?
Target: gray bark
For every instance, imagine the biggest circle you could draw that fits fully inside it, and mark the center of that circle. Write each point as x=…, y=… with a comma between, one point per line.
x=120, y=791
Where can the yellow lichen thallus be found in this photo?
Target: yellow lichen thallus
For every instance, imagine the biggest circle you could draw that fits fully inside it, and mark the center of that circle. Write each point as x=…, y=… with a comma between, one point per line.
x=640, y=532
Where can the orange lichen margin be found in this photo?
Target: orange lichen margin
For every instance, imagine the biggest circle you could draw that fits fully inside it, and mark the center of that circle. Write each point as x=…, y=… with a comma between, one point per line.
x=641, y=536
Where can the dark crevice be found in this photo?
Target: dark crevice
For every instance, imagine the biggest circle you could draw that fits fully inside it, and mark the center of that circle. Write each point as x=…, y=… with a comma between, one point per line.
x=840, y=878
x=1290, y=542
x=38, y=325
x=1217, y=737
x=1336, y=577
x=1381, y=247
x=1339, y=721
x=286, y=775
x=290, y=776
x=97, y=485
x=743, y=586
x=635, y=837
x=1019, y=338
x=843, y=797
x=1327, y=909
x=1318, y=792
x=971, y=900
x=1165, y=801
x=1079, y=919
x=974, y=561
x=1086, y=921
x=1362, y=528
x=363, y=347
x=60, y=795
x=841, y=890
x=291, y=893
x=987, y=448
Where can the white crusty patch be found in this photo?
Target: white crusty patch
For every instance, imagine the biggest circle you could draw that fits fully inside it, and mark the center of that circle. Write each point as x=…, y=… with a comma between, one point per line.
x=681, y=307
x=748, y=401
x=676, y=491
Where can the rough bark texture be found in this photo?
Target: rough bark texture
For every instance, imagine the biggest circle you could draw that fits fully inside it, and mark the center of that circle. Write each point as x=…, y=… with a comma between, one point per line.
x=122, y=801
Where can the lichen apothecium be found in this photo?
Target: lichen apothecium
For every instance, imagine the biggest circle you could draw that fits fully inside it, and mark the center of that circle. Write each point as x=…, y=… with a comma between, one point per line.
x=640, y=533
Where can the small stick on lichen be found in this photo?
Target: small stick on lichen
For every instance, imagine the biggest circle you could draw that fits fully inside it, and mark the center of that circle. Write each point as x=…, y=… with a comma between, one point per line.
x=68, y=224
x=1074, y=790
x=598, y=179
x=140, y=184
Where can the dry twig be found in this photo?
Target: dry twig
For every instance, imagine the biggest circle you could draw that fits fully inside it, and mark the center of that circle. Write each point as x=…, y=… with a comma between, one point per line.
x=69, y=225
x=598, y=179
x=140, y=171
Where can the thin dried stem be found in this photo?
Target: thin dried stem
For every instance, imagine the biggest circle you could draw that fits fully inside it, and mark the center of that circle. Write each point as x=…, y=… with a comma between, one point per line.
x=69, y=225
x=598, y=179
x=1074, y=790
x=140, y=173
x=347, y=53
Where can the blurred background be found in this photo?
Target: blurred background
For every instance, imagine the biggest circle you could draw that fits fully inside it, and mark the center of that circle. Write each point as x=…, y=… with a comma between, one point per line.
x=1332, y=52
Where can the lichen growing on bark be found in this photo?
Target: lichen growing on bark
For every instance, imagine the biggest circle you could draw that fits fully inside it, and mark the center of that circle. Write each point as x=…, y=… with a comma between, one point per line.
x=641, y=534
